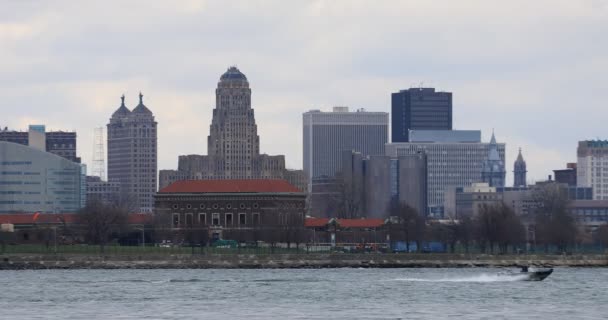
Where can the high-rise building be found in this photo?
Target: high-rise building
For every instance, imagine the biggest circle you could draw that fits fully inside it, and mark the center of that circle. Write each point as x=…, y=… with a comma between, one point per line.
x=592, y=167
x=493, y=172
x=370, y=186
x=328, y=134
x=419, y=109
x=519, y=171
x=61, y=143
x=132, y=154
x=33, y=180
x=450, y=165
x=233, y=143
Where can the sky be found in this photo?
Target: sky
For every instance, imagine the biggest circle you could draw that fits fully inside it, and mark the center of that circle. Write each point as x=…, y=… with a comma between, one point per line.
x=535, y=72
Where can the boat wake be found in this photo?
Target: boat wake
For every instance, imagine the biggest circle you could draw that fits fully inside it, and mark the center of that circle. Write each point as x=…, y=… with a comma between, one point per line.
x=477, y=278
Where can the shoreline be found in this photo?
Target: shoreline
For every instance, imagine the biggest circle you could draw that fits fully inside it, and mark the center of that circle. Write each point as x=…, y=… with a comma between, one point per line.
x=292, y=261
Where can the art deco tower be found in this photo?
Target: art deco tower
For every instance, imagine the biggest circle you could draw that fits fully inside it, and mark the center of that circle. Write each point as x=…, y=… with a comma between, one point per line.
x=233, y=134
x=519, y=171
x=132, y=154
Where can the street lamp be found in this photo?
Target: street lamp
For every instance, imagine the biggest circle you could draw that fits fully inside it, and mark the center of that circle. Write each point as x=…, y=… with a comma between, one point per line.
x=143, y=235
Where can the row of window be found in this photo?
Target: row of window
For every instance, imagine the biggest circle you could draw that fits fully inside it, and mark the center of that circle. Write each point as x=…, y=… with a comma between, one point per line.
x=216, y=206
x=215, y=219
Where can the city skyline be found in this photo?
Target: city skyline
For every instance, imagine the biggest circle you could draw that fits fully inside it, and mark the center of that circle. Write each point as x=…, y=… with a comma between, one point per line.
x=518, y=85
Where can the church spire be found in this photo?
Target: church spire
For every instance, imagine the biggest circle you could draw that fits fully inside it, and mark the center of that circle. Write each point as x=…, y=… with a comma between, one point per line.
x=519, y=171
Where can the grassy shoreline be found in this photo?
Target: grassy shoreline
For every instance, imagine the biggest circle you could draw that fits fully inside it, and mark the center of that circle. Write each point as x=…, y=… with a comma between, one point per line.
x=295, y=261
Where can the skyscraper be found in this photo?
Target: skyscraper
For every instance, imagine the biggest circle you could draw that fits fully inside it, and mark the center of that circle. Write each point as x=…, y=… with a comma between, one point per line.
x=328, y=134
x=519, y=171
x=592, y=167
x=419, y=108
x=132, y=154
x=493, y=172
x=233, y=143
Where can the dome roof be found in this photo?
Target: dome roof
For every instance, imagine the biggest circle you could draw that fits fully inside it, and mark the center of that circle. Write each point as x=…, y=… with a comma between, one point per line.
x=233, y=73
x=122, y=110
x=141, y=108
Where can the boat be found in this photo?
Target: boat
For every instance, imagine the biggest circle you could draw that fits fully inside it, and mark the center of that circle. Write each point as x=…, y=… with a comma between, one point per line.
x=534, y=274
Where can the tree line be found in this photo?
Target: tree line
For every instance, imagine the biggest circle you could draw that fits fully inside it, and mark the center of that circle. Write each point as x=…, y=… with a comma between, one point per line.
x=497, y=228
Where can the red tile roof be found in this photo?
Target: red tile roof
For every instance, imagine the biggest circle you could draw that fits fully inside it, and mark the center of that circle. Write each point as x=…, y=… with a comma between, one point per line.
x=229, y=186
x=360, y=223
x=315, y=222
x=69, y=218
x=344, y=223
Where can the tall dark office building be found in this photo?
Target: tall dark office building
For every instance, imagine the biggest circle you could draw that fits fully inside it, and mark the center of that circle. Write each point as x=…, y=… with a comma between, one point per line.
x=419, y=109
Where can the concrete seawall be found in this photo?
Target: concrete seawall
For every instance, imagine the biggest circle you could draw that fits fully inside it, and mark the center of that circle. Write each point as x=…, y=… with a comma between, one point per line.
x=275, y=261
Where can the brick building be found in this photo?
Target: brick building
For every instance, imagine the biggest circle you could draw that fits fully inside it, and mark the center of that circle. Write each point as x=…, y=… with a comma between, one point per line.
x=242, y=210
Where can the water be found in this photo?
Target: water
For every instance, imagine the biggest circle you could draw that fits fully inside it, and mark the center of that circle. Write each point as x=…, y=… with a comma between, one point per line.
x=301, y=294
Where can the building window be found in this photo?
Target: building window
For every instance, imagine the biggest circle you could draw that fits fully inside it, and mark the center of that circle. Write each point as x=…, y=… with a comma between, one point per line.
x=175, y=206
x=202, y=219
x=215, y=206
x=229, y=206
x=255, y=206
x=189, y=206
x=256, y=219
x=176, y=220
x=228, y=219
x=242, y=206
x=202, y=206
x=216, y=219
x=242, y=219
x=189, y=219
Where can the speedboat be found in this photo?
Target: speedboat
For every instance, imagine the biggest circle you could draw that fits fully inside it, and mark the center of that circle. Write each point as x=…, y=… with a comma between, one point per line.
x=535, y=274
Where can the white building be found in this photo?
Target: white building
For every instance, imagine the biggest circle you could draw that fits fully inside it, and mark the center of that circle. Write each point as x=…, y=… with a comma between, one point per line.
x=592, y=167
x=327, y=134
x=450, y=164
x=33, y=180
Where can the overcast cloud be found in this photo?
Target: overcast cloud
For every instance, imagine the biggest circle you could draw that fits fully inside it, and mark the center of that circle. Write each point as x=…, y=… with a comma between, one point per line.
x=535, y=71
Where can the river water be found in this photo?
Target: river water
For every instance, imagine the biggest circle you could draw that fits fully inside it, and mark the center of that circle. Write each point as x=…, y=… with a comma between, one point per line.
x=473, y=293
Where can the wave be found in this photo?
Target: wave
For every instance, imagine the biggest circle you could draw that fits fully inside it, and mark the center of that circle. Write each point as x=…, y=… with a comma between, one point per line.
x=477, y=278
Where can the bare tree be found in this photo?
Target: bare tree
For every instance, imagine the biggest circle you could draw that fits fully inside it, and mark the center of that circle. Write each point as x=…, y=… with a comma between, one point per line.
x=555, y=225
x=349, y=200
x=601, y=236
x=497, y=224
x=408, y=220
x=100, y=221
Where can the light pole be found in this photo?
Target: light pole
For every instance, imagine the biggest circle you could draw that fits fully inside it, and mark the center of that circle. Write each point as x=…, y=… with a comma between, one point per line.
x=143, y=235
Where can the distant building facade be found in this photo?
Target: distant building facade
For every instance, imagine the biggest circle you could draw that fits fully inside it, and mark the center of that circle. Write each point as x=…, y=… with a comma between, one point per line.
x=450, y=165
x=60, y=143
x=106, y=192
x=470, y=200
x=243, y=210
x=327, y=134
x=519, y=171
x=567, y=175
x=32, y=180
x=592, y=167
x=419, y=108
x=233, y=143
x=133, y=154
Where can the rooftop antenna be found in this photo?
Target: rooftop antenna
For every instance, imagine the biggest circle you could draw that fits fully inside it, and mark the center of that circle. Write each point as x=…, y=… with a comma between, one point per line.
x=99, y=166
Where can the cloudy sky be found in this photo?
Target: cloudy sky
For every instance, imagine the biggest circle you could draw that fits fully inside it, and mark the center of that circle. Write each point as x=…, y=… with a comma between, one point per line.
x=535, y=71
